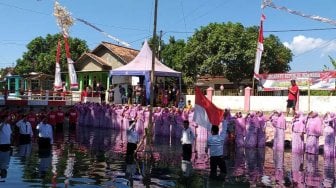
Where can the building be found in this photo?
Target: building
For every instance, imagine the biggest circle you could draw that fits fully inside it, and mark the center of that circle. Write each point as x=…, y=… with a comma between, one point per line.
x=93, y=67
x=221, y=85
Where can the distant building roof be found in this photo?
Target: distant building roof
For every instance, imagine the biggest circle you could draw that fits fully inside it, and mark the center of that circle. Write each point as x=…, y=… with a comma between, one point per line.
x=124, y=53
x=98, y=59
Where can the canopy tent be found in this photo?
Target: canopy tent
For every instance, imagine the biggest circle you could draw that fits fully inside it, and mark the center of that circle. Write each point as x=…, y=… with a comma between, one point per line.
x=141, y=65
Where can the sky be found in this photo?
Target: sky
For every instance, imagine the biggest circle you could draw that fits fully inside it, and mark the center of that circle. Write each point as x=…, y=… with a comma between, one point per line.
x=132, y=21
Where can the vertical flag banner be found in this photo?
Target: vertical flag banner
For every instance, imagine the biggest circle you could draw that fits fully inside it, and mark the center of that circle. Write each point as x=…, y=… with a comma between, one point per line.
x=71, y=67
x=206, y=113
x=260, y=47
x=65, y=21
x=58, y=80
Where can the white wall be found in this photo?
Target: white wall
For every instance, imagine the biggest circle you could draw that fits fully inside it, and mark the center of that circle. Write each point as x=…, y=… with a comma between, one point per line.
x=320, y=104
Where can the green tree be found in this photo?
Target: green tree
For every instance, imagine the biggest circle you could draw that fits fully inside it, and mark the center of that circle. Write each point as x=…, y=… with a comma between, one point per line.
x=332, y=61
x=228, y=49
x=5, y=71
x=173, y=54
x=41, y=54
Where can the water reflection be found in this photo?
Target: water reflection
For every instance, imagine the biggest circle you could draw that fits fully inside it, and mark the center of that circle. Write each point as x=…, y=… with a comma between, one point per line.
x=329, y=172
x=312, y=176
x=298, y=170
x=4, y=164
x=25, y=150
x=44, y=162
x=94, y=158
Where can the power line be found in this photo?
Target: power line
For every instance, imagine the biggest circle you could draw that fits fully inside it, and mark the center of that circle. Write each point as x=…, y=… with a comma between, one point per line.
x=270, y=31
x=184, y=20
x=297, y=30
x=24, y=9
x=323, y=45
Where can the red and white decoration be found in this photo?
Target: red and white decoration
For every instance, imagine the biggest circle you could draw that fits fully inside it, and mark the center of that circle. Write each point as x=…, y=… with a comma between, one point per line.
x=260, y=47
x=58, y=80
x=206, y=113
x=71, y=67
x=324, y=80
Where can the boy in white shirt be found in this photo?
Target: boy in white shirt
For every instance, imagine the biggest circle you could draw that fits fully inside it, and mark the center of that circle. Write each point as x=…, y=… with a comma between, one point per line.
x=45, y=135
x=187, y=140
x=216, y=143
x=25, y=129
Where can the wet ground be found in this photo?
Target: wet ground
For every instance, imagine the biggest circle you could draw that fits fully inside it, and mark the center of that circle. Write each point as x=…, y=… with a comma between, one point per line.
x=95, y=158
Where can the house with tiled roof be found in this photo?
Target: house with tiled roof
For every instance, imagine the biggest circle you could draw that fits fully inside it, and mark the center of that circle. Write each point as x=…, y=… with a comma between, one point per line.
x=93, y=67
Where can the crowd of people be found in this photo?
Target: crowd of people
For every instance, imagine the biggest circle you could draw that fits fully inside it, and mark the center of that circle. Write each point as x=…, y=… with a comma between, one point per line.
x=237, y=130
x=20, y=127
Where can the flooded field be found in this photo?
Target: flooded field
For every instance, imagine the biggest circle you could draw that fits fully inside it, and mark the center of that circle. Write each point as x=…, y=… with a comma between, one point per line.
x=89, y=157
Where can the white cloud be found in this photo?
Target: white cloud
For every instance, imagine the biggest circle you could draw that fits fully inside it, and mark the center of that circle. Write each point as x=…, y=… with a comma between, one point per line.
x=301, y=44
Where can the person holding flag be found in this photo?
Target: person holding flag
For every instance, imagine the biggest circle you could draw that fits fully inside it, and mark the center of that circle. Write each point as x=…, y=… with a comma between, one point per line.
x=216, y=143
x=207, y=115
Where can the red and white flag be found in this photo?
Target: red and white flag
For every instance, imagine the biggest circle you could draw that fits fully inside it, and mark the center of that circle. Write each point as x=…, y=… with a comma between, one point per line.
x=260, y=47
x=71, y=67
x=206, y=113
x=58, y=80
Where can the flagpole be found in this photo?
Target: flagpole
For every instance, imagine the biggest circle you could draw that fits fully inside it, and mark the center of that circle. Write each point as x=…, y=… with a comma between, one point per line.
x=258, y=56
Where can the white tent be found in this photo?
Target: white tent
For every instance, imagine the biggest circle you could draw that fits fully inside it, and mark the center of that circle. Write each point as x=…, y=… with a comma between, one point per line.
x=141, y=65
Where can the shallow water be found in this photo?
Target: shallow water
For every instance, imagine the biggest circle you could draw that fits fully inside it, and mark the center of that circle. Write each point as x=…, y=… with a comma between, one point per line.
x=95, y=158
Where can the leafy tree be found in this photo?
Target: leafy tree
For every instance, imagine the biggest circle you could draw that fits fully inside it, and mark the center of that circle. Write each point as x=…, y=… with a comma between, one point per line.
x=173, y=53
x=5, y=71
x=228, y=49
x=41, y=54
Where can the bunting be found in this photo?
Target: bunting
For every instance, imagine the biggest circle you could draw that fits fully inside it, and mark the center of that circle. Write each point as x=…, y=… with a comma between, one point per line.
x=269, y=3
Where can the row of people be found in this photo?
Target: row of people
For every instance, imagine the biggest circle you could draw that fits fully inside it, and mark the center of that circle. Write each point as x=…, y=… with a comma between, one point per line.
x=26, y=133
x=55, y=117
x=244, y=130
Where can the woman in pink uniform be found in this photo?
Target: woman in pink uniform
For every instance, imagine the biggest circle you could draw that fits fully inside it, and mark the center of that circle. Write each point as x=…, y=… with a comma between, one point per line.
x=313, y=131
x=298, y=130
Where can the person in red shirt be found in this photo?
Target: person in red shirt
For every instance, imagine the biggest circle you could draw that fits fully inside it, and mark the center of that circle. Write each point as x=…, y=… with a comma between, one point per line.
x=84, y=95
x=293, y=92
x=73, y=118
x=52, y=117
x=32, y=118
x=59, y=118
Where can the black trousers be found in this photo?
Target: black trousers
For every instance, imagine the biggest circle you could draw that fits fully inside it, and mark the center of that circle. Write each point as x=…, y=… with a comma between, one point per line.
x=25, y=139
x=186, y=152
x=131, y=147
x=44, y=143
x=5, y=147
x=217, y=161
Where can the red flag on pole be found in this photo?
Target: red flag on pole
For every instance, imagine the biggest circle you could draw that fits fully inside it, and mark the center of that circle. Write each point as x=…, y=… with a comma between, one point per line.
x=260, y=47
x=206, y=113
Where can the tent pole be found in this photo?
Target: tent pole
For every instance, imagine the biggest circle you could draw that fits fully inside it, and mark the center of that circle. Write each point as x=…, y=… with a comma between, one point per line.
x=180, y=82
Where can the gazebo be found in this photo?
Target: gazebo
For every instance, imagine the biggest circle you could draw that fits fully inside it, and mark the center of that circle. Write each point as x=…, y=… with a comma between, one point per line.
x=141, y=65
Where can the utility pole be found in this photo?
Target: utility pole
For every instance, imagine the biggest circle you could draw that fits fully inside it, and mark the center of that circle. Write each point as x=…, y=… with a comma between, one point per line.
x=152, y=84
x=149, y=131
